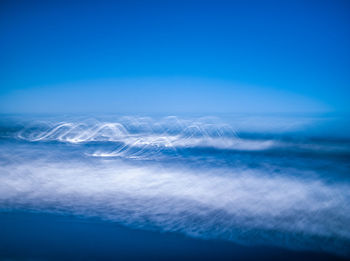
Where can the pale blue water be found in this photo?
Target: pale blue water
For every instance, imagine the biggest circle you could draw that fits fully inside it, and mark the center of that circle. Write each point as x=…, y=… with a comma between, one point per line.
x=274, y=181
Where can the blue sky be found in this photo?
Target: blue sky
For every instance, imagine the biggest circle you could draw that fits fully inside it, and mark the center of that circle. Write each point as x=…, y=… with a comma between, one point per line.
x=175, y=56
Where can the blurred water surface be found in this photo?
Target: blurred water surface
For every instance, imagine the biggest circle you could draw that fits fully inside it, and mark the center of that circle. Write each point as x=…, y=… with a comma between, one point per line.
x=254, y=180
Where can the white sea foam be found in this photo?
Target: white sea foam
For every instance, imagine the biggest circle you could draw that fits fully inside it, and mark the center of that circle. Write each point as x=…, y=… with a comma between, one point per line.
x=249, y=207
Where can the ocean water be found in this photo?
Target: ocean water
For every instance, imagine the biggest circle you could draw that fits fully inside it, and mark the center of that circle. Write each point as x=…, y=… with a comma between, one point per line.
x=246, y=180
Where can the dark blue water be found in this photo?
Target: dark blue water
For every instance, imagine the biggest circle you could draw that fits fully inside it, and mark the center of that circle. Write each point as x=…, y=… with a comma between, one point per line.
x=237, y=186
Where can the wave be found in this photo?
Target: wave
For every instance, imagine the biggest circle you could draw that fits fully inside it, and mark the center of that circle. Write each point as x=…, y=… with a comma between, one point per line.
x=133, y=136
x=244, y=206
x=144, y=134
x=79, y=132
x=201, y=177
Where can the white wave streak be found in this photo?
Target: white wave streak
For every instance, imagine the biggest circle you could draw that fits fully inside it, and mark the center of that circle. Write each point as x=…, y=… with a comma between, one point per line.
x=78, y=132
x=245, y=207
x=157, y=135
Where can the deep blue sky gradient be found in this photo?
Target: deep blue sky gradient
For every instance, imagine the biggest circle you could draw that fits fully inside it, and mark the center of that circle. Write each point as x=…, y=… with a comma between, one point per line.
x=174, y=56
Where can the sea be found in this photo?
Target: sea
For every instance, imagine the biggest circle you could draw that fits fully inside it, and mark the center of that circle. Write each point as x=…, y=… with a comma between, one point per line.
x=174, y=187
